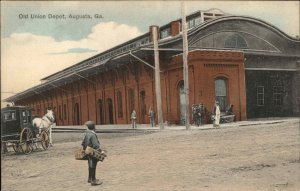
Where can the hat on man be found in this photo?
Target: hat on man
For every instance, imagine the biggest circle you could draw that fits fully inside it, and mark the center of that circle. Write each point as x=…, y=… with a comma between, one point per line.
x=90, y=125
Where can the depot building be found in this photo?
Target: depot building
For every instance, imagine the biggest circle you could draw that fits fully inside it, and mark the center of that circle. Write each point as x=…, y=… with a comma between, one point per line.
x=236, y=60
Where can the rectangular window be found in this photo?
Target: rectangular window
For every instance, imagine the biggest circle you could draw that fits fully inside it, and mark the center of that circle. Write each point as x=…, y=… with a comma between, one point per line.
x=9, y=115
x=165, y=33
x=277, y=95
x=197, y=21
x=260, y=94
x=191, y=23
x=28, y=116
x=24, y=116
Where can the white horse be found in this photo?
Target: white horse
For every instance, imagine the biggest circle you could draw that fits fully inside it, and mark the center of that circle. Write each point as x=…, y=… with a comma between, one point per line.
x=45, y=122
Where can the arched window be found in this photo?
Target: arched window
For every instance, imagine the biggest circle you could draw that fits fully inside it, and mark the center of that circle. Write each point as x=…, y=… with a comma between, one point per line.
x=221, y=93
x=143, y=106
x=120, y=106
x=131, y=100
x=100, y=120
x=235, y=41
x=65, y=111
x=59, y=112
x=76, y=114
x=143, y=102
x=109, y=111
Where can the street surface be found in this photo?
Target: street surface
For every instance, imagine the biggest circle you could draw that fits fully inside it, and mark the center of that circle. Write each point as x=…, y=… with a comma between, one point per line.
x=261, y=156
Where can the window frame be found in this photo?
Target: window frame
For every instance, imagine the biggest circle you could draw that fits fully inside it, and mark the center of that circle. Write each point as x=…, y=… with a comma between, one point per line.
x=258, y=94
x=11, y=113
x=235, y=41
x=225, y=97
x=278, y=95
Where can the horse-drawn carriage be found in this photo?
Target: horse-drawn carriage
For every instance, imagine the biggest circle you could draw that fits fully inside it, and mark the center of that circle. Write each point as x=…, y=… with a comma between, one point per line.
x=18, y=131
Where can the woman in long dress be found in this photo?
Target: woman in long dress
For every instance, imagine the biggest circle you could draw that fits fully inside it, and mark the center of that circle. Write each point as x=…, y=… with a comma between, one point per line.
x=217, y=115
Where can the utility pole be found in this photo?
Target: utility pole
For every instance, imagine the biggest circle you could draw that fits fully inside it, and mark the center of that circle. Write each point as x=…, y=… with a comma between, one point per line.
x=185, y=66
x=157, y=77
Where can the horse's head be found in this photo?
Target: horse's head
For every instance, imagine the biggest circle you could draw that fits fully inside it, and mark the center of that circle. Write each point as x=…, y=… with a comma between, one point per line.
x=50, y=115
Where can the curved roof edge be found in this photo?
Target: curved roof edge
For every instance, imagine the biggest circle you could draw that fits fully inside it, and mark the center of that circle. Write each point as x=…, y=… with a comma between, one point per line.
x=249, y=18
x=232, y=17
x=178, y=37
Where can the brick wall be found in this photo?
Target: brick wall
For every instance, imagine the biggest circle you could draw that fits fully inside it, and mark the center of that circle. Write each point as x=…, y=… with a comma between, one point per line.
x=204, y=68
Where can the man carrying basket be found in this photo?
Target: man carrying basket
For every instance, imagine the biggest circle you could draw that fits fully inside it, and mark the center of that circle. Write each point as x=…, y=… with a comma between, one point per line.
x=89, y=143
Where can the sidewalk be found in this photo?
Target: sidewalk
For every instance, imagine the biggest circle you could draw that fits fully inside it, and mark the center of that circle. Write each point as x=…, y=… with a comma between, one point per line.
x=143, y=127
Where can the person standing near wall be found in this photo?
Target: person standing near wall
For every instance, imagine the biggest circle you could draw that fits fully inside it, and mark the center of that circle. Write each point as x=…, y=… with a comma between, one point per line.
x=217, y=113
x=133, y=119
x=152, y=116
x=203, y=113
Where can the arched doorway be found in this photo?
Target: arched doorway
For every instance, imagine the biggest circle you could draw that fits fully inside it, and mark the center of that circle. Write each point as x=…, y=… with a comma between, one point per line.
x=76, y=114
x=109, y=112
x=221, y=92
x=131, y=100
x=143, y=106
x=100, y=112
x=181, y=102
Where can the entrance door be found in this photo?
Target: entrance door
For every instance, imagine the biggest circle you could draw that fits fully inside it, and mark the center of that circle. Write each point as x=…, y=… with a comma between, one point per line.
x=100, y=112
x=109, y=112
x=76, y=114
x=143, y=106
x=221, y=93
x=182, y=103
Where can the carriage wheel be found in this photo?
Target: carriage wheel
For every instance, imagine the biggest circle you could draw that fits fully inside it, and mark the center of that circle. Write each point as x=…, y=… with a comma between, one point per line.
x=26, y=141
x=17, y=148
x=45, y=140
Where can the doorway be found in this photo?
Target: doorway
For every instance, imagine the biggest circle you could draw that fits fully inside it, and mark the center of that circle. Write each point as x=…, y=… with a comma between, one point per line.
x=181, y=102
x=100, y=112
x=76, y=114
x=109, y=112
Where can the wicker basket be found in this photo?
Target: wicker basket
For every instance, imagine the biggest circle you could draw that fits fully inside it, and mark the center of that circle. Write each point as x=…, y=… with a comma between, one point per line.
x=80, y=155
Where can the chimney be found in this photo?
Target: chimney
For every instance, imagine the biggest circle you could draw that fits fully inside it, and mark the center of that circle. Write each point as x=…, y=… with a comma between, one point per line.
x=150, y=32
x=175, y=28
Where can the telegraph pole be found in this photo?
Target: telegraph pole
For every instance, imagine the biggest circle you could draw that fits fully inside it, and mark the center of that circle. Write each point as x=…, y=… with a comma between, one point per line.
x=185, y=66
x=157, y=77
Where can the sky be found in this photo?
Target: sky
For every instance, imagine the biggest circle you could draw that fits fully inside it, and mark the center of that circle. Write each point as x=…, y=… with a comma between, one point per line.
x=33, y=48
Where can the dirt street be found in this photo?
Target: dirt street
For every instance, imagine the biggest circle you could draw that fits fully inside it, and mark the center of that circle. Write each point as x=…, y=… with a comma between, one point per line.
x=257, y=157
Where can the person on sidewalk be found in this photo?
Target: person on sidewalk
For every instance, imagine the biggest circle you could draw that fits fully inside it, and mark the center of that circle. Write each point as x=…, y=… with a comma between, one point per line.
x=133, y=119
x=91, y=141
x=217, y=113
x=151, y=117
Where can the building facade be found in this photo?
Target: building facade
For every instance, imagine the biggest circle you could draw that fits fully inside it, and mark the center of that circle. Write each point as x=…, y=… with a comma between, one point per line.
x=233, y=59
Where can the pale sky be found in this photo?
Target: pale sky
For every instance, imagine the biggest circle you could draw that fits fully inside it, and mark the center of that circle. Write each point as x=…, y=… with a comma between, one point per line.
x=32, y=49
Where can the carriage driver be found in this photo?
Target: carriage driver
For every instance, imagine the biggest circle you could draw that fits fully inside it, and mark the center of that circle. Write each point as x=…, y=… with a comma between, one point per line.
x=91, y=140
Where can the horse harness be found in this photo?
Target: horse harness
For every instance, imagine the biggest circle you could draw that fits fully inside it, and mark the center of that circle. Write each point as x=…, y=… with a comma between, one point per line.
x=45, y=120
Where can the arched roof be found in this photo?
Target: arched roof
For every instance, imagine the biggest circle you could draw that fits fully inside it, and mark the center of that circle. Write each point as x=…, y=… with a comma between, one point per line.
x=273, y=34
x=224, y=19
